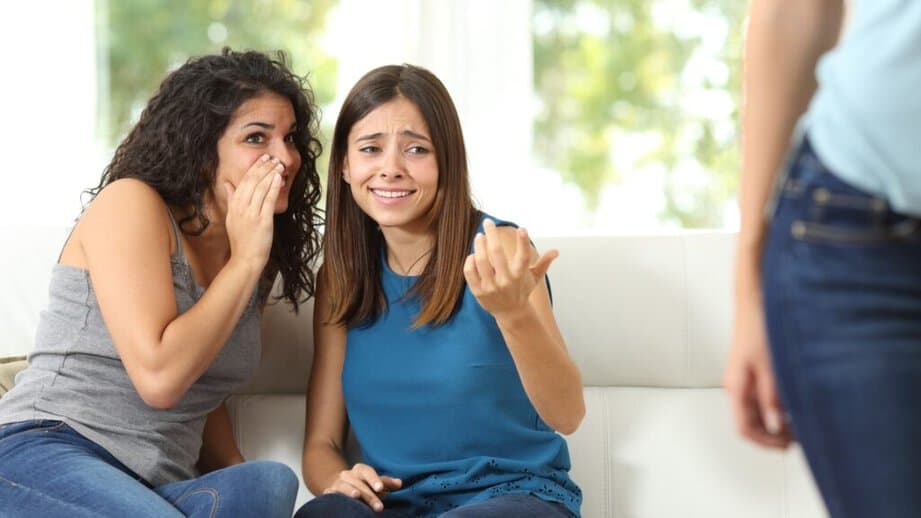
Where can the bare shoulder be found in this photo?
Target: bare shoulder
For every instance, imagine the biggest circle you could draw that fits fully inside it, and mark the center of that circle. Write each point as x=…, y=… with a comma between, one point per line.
x=127, y=194
x=129, y=200
x=123, y=208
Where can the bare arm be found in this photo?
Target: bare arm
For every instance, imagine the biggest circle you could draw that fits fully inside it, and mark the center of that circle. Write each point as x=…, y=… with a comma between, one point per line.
x=785, y=41
x=219, y=448
x=507, y=277
x=324, y=466
x=125, y=243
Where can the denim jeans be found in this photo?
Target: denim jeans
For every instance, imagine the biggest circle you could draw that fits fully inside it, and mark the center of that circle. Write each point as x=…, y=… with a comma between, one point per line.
x=48, y=469
x=841, y=276
x=505, y=506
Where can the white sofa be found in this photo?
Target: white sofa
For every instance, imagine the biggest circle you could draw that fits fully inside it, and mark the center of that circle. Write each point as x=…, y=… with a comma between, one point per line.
x=645, y=317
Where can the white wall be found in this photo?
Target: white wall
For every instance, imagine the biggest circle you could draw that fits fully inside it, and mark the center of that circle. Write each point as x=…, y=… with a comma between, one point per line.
x=48, y=110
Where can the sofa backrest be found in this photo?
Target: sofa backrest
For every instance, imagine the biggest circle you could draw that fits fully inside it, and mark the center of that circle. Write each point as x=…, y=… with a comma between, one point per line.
x=646, y=318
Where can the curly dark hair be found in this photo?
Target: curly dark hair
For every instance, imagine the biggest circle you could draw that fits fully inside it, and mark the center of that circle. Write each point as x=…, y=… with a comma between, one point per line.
x=173, y=148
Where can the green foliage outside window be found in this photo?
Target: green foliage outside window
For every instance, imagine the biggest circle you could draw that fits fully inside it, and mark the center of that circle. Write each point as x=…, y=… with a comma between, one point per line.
x=141, y=40
x=606, y=69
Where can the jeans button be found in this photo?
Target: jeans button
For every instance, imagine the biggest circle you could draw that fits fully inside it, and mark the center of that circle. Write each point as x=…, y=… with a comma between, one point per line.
x=798, y=229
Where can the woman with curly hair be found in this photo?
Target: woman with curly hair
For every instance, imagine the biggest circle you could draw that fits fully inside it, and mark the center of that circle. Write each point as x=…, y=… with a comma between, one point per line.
x=154, y=305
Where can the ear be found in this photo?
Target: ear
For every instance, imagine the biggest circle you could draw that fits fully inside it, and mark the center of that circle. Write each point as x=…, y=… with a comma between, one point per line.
x=345, y=171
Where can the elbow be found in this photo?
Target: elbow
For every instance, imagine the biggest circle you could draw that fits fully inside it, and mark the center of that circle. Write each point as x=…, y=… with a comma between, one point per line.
x=568, y=422
x=571, y=423
x=158, y=393
x=158, y=383
x=159, y=399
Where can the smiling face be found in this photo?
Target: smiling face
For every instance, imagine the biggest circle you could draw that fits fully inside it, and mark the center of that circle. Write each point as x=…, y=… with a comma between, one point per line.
x=263, y=124
x=391, y=168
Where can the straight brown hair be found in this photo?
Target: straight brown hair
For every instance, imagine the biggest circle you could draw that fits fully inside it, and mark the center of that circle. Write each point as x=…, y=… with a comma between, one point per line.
x=353, y=244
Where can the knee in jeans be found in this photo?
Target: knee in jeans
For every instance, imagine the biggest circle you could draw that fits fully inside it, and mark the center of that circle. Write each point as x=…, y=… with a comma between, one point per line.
x=334, y=504
x=259, y=488
x=272, y=475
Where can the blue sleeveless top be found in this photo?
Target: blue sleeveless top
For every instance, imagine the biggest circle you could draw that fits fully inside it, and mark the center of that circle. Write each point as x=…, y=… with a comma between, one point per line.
x=443, y=409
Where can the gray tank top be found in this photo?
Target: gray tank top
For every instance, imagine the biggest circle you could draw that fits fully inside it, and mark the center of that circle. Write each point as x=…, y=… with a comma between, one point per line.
x=75, y=375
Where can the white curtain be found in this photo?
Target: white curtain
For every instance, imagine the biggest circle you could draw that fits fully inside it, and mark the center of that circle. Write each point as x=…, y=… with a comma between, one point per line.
x=482, y=52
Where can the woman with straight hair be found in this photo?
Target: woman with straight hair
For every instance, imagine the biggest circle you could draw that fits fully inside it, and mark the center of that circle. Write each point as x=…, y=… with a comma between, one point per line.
x=434, y=335
x=154, y=305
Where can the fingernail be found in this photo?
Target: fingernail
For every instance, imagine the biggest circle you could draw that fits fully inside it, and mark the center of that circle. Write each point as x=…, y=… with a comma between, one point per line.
x=264, y=158
x=378, y=487
x=772, y=422
x=378, y=506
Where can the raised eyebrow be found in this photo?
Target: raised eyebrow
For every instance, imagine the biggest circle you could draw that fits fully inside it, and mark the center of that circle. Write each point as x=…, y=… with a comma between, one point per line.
x=413, y=134
x=266, y=125
x=263, y=125
x=370, y=136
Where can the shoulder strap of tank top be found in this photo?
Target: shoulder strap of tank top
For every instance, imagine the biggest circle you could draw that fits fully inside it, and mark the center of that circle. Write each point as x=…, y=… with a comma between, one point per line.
x=176, y=233
x=69, y=234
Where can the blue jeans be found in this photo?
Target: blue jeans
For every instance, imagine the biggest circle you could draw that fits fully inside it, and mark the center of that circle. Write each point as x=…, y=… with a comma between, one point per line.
x=48, y=469
x=505, y=506
x=841, y=276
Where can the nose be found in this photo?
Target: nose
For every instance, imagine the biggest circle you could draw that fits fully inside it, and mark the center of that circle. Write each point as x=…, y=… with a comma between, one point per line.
x=288, y=155
x=393, y=165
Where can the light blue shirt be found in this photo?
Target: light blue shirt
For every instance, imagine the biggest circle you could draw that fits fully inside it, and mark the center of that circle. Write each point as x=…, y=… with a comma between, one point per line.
x=865, y=119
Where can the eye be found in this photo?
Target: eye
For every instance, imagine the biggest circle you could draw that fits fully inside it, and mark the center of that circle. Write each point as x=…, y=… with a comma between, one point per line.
x=255, y=138
x=290, y=137
x=417, y=150
x=369, y=149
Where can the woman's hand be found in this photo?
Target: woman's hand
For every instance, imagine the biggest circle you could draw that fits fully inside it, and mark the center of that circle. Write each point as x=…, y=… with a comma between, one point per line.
x=749, y=379
x=362, y=482
x=501, y=284
x=251, y=209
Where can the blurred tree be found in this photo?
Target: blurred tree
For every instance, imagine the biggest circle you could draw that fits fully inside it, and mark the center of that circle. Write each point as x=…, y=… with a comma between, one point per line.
x=612, y=73
x=141, y=40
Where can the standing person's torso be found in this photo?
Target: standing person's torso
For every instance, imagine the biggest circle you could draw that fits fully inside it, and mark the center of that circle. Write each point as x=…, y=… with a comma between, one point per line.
x=75, y=375
x=865, y=119
x=443, y=408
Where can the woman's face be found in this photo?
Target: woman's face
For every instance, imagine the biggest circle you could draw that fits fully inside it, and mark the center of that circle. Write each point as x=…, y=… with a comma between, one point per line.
x=263, y=124
x=390, y=166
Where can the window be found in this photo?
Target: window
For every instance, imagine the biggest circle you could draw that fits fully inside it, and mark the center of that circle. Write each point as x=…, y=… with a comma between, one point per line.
x=139, y=42
x=580, y=116
x=637, y=108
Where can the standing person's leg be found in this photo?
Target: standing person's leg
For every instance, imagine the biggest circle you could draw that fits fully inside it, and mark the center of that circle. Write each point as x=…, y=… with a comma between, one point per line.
x=257, y=488
x=510, y=506
x=49, y=470
x=842, y=287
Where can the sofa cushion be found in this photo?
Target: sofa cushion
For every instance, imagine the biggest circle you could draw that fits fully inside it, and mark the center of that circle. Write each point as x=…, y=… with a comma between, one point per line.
x=9, y=367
